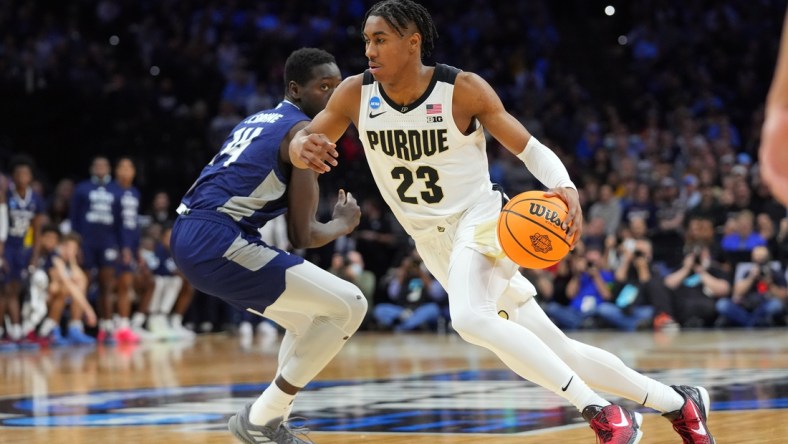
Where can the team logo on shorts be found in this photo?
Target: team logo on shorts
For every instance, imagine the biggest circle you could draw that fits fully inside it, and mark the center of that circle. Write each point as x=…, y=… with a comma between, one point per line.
x=503, y=314
x=541, y=243
x=374, y=102
x=110, y=254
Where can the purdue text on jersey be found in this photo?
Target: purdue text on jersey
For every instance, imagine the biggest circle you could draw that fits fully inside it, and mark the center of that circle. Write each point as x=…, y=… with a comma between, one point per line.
x=409, y=145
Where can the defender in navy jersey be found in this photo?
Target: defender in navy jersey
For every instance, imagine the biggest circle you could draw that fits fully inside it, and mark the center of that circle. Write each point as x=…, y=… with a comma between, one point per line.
x=25, y=216
x=216, y=243
x=422, y=128
x=128, y=198
x=95, y=215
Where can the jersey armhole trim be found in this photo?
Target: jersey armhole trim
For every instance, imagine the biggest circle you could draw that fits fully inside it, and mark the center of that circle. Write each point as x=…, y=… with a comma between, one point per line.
x=368, y=79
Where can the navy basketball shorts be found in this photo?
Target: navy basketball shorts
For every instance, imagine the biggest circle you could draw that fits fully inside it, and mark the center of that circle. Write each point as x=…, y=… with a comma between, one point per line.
x=99, y=255
x=17, y=260
x=122, y=267
x=219, y=259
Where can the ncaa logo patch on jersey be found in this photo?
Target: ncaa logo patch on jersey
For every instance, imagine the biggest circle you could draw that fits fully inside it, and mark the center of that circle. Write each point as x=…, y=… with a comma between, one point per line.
x=374, y=102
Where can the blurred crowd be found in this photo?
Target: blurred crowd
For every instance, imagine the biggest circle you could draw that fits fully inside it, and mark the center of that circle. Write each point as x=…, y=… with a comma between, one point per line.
x=656, y=112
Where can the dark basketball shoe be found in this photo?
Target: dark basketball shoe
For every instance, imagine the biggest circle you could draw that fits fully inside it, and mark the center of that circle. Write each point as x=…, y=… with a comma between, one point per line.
x=275, y=431
x=614, y=424
x=690, y=420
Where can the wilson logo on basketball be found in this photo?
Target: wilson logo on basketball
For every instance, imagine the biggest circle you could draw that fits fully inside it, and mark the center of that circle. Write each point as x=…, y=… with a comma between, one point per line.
x=548, y=215
x=541, y=243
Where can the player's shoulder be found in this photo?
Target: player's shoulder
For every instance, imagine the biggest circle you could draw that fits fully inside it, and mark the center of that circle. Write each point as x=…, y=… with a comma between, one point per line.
x=471, y=90
x=468, y=79
x=348, y=93
x=354, y=82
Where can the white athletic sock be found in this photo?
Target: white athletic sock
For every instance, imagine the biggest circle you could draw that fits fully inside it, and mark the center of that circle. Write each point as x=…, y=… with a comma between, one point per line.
x=176, y=320
x=76, y=324
x=123, y=323
x=662, y=398
x=270, y=405
x=138, y=320
x=578, y=393
x=15, y=332
x=46, y=327
x=288, y=411
x=107, y=325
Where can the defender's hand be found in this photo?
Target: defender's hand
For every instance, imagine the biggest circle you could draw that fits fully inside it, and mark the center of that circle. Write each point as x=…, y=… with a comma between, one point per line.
x=575, y=218
x=347, y=210
x=313, y=151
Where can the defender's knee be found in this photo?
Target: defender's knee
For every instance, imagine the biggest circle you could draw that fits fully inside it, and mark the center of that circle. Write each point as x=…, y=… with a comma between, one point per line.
x=356, y=308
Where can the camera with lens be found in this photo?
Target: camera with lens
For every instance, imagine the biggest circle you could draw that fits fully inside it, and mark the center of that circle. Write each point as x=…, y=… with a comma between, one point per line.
x=638, y=253
x=766, y=271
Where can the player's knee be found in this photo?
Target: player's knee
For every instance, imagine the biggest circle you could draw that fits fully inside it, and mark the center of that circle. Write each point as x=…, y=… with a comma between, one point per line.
x=470, y=325
x=357, y=308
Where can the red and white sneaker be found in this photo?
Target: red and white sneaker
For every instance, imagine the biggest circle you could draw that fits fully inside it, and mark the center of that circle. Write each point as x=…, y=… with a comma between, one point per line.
x=105, y=338
x=690, y=420
x=614, y=424
x=126, y=336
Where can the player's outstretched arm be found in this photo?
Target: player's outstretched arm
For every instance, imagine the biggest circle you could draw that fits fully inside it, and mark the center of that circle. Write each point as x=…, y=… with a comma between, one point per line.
x=474, y=95
x=314, y=147
x=774, y=134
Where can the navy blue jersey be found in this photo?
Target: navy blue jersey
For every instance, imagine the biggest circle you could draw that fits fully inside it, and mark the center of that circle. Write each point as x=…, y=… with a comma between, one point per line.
x=165, y=265
x=95, y=214
x=246, y=180
x=46, y=261
x=21, y=212
x=129, y=201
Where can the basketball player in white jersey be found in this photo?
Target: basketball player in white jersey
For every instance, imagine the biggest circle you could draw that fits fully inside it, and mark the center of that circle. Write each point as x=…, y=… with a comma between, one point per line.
x=422, y=130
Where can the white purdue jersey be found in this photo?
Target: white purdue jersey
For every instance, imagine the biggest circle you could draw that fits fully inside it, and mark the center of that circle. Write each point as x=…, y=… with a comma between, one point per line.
x=426, y=168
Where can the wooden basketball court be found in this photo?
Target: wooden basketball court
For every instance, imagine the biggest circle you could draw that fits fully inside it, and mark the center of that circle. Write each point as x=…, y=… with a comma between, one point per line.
x=418, y=388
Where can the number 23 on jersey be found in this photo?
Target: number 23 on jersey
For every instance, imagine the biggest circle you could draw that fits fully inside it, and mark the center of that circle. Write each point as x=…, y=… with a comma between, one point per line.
x=433, y=193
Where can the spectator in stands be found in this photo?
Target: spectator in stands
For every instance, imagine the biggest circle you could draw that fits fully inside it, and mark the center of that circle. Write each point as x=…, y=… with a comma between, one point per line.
x=641, y=206
x=638, y=288
x=738, y=243
x=759, y=294
x=160, y=211
x=607, y=208
x=350, y=267
x=376, y=239
x=588, y=287
x=696, y=286
x=415, y=297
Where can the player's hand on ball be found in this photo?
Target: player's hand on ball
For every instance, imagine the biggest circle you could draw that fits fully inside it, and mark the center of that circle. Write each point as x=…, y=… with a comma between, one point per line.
x=574, y=219
x=314, y=151
x=347, y=210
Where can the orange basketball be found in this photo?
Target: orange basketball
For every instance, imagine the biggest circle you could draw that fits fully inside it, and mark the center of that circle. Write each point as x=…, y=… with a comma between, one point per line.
x=529, y=229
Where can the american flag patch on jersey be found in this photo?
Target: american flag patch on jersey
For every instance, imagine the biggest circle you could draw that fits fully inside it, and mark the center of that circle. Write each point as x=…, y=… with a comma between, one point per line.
x=434, y=109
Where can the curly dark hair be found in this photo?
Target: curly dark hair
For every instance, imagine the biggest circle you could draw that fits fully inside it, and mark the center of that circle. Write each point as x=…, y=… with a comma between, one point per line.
x=298, y=66
x=399, y=13
x=21, y=160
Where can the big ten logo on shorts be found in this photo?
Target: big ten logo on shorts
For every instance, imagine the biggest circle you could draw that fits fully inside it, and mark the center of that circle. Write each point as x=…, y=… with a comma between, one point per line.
x=374, y=102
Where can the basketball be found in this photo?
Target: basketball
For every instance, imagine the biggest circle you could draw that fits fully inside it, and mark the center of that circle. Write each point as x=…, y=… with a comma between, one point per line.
x=529, y=229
